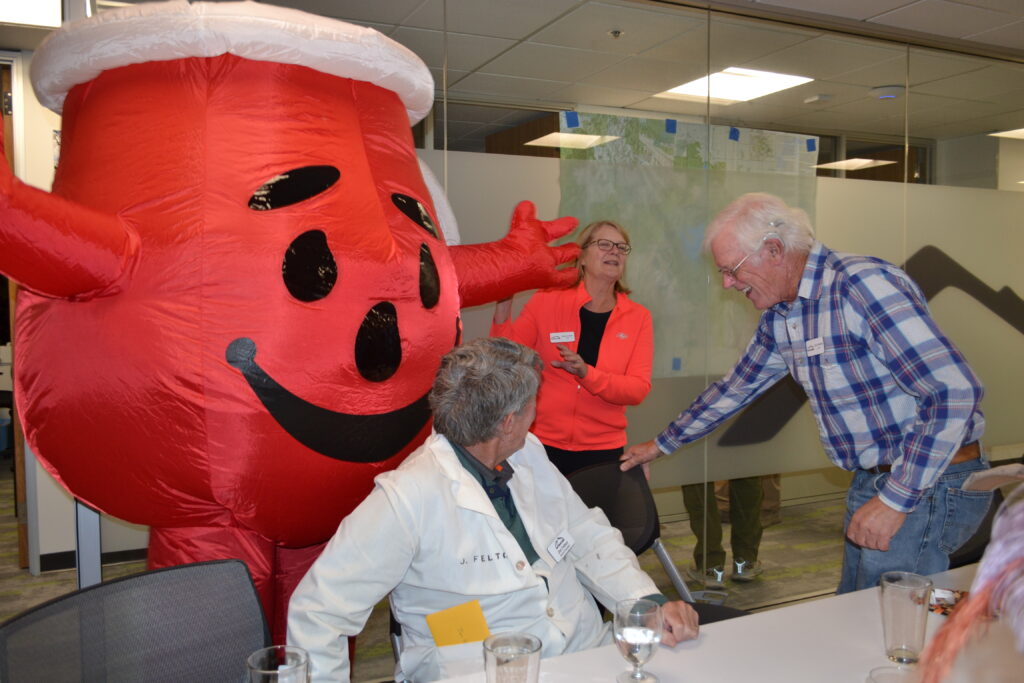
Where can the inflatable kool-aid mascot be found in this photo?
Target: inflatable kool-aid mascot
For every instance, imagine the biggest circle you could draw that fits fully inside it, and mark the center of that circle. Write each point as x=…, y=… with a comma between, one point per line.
x=236, y=296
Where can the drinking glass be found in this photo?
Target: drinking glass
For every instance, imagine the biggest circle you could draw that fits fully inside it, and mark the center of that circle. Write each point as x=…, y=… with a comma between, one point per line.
x=905, y=598
x=637, y=629
x=279, y=664
x=512, y=658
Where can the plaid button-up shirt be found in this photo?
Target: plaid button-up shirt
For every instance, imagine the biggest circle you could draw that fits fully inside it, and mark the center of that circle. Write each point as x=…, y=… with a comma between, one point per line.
x=885, y=384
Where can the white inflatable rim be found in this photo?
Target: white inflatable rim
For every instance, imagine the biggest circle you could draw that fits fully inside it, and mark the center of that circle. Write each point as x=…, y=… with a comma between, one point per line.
x=80, y=51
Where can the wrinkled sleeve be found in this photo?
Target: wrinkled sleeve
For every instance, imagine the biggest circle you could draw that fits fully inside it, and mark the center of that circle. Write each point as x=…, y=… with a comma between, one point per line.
x=757, y=371
x=355, y=571
x=631, y=387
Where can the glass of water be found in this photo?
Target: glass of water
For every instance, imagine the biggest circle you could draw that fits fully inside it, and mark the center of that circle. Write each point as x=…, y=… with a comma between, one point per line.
x=637, y=629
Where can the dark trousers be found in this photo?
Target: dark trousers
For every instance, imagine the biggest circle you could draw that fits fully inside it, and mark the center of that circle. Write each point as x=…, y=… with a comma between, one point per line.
x=744, y=513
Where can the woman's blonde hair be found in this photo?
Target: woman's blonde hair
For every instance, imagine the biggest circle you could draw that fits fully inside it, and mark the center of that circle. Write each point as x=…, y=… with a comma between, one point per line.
x=584, y=238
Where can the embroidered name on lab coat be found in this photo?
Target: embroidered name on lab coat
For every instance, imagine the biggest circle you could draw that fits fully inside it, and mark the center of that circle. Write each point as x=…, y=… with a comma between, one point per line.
x=485, y=557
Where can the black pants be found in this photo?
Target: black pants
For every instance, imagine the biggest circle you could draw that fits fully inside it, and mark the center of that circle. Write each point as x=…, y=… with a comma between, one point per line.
x=568, y=462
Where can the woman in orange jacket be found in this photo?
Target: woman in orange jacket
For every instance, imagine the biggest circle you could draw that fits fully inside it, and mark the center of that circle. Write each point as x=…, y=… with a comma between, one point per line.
x=597, y=346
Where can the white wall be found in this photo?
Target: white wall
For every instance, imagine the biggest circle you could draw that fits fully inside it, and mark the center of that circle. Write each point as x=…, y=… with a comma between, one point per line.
x=1011, y=165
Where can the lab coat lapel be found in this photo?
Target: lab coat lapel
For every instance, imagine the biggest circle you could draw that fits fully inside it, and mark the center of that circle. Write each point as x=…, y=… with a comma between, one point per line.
x=526, y=491
x=468, y=492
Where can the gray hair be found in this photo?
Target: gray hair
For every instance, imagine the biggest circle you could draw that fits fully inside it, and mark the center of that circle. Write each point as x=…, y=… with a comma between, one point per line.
x=479, y=384
x=756, y=216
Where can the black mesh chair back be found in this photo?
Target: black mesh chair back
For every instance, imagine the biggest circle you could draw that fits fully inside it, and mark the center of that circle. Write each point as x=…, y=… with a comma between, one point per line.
x=627, y=501
x=193, y=622
x=625, y=498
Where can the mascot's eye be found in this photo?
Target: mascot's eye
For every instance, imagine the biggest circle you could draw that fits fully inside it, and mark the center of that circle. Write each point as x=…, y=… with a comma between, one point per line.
x=378, y=343
x=430, y=282
x=415, y=211
x=309, y=270
x=293, y=186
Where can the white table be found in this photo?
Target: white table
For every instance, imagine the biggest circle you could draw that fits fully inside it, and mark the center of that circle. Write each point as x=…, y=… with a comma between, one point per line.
x=832, y=640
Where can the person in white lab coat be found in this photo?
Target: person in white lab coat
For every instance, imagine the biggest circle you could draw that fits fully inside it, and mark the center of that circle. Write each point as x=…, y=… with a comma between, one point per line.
x=478, y=517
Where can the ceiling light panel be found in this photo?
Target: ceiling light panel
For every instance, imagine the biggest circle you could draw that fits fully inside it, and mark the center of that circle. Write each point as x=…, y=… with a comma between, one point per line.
x=571, y=140
x=735, y=85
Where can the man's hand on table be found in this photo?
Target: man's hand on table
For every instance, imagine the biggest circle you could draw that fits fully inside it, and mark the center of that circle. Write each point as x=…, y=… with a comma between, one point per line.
x=874, y=524
x=680, y=623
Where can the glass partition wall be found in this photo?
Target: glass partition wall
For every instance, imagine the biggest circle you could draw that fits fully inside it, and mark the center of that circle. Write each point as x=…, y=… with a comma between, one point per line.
x=886, y=146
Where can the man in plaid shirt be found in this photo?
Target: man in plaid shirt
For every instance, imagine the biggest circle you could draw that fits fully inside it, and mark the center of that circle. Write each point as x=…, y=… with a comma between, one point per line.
x=894, y=399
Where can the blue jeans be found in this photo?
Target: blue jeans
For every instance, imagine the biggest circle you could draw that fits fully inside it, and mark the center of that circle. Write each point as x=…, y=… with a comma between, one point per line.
x=944, y=519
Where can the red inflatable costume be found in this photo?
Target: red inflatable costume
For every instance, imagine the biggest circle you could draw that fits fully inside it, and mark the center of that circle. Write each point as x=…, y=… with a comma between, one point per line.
x=237, y=294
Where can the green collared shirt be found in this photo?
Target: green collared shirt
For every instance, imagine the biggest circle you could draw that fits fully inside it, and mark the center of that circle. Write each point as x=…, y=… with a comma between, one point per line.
x=495, y=483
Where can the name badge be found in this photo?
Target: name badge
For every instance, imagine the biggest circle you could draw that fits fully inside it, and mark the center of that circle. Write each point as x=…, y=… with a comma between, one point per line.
x=815, y=347
x=561, y=546
x=562, y=337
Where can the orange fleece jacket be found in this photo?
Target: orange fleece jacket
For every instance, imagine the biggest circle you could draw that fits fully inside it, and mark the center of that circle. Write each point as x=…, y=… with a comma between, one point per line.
x=589, y=413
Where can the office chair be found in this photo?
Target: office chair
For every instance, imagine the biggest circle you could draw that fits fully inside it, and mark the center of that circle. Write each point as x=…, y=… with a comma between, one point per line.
x=194, y=622
x=627, y=501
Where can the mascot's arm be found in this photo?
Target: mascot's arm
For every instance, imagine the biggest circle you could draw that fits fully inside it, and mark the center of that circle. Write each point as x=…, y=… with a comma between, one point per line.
x=519, y=261
x=58, y=248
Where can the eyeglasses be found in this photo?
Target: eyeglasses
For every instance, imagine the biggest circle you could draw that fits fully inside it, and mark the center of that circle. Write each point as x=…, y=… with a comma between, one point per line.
x=606, y=245
x=731, y=272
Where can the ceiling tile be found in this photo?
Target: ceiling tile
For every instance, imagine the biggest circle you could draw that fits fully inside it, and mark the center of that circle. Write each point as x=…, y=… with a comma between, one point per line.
x=390, y=12
x=500, y=87
x=735, y=42
x=465, y=52
x=499, y=18
x=581, y=93
x=1014, y=7
x=556, y=63
x=942, y=18
x=982, y=84
x=861, y=9
x=588, y=28
x=1008, y=35
x=952, y=110
x=695, y=110
x=824, y=57
x=478, y=114
x=644, y=74
x=930, y=65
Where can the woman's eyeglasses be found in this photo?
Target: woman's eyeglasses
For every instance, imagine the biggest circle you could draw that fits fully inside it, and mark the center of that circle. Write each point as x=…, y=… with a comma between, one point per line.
x=606, y=245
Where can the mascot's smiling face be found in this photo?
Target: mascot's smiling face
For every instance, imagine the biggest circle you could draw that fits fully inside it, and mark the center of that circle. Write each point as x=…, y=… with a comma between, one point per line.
x=291, y=301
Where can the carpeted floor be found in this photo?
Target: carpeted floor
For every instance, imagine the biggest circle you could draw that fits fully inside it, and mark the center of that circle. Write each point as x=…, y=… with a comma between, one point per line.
x=801, y=557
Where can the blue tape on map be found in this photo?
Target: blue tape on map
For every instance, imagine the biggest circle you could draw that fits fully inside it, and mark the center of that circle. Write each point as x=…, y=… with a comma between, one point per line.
x=670, y=126
x=812, y=144
x=572, y=119
x=677, y=364
x=734, y=133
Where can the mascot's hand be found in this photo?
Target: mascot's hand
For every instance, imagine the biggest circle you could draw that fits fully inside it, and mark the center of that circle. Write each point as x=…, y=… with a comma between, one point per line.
x=519, y=261
x=528, y=239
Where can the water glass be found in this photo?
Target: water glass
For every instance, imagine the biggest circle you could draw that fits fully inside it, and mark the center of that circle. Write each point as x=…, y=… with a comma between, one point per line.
x=512, y=658
x=279, y=664
x=905, y=597
x=637, y=629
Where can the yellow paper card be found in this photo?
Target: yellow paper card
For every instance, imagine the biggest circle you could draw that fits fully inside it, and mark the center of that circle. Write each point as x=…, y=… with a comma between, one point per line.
x=463, y=623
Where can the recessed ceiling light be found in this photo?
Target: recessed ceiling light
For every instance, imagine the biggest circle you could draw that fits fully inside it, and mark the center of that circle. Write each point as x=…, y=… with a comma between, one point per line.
x=1015, y=134
x=571, y=140
x=734, y=85
x=854, y=164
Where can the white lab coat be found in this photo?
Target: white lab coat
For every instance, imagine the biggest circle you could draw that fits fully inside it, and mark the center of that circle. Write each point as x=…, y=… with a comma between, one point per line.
x=428, y=535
